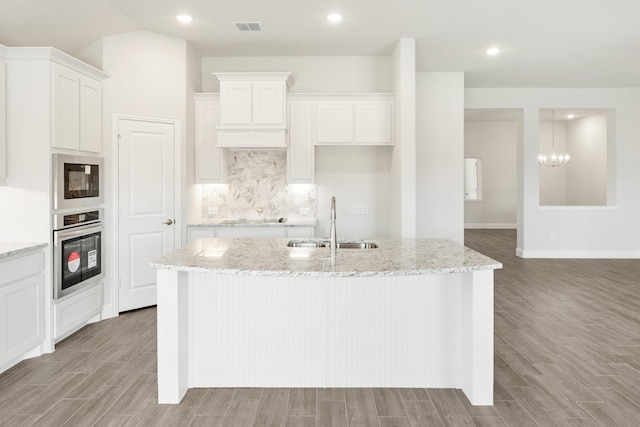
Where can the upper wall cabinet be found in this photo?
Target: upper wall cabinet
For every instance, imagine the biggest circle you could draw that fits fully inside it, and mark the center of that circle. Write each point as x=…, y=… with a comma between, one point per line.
x=355, y=119
x=252, y=109
x=77, y=110
x=210, y=160
x=301, y=155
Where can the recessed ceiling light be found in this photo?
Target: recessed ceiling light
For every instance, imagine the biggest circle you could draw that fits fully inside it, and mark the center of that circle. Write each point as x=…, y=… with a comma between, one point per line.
x=185, y=19
x=334, y=17
x=493, y=51
x=570, y=116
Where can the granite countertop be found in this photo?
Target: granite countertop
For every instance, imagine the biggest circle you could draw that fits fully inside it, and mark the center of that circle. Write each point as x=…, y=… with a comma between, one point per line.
x=7, y=249
x=272, y=257
x=267, y=222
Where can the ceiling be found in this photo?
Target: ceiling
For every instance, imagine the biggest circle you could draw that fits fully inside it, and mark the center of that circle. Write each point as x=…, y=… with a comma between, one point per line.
x=545, y=43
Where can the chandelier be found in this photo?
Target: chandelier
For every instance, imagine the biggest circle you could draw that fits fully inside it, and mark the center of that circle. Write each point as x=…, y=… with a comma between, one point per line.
x=554, y=159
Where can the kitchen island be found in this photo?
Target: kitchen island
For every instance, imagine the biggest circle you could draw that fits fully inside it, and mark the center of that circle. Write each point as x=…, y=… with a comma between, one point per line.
x=257, y=313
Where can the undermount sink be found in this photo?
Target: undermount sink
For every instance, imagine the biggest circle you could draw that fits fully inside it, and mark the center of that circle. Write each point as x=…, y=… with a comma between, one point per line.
x=305, y=244
x=255, y=221
x=322, y=244
x=357, y=245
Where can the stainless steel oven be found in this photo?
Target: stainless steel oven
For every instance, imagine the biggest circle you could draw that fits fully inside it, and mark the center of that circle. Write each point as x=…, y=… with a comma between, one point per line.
x=77, y=181
x=77, y=251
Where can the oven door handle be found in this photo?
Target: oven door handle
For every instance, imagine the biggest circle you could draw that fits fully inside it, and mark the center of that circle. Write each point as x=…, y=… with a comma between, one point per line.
x=76, y=231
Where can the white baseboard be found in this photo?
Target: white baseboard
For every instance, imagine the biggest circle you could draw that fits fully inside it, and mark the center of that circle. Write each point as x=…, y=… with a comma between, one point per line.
x=493, y=226
x=573, y=254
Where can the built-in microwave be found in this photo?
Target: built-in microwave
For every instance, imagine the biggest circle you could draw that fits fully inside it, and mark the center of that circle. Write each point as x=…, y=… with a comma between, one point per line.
x=77, y=181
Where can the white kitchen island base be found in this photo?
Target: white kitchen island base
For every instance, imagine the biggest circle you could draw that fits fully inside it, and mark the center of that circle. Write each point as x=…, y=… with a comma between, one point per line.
x=243, y=330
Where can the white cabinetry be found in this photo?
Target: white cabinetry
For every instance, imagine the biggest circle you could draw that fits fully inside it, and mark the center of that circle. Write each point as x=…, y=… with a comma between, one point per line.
x=251, y=232
x=302, y=231
x=257, y=231
x=197, y=232
x=72, y=312
x=3, y=119
x=373, y=122
x=77, y=110
x=301, y=155
x=252, y=109
x=334, y=123
x=21, y=305
x=359, y=119
x=210, y=160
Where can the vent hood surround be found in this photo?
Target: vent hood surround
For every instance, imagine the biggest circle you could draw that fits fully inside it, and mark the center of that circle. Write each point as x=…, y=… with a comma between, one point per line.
x=253, y=109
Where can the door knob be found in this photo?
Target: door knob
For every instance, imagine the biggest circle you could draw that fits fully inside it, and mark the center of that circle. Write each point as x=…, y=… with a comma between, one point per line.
x=168, y=222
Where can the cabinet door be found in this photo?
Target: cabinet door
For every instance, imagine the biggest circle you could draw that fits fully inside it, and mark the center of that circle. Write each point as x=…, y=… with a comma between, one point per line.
x=66, y=108
x=334, y=123
x=21, y=305
x=268, y=103
x=235, y=99
x=374, y=123
x=301, y=231
x=201, y=232
x=210, y=164
x=251, y=232
x=301, y=158
x=90, y=115
x=3, y=122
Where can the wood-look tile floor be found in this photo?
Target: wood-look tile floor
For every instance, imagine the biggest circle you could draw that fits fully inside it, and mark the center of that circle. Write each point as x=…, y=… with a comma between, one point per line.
x=567, y=345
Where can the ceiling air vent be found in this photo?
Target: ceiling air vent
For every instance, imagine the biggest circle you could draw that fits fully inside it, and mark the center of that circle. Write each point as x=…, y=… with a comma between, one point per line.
x=248, y=26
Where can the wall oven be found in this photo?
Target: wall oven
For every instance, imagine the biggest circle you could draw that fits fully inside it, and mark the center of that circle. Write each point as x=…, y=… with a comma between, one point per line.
x=77, y=181
x=77, y=251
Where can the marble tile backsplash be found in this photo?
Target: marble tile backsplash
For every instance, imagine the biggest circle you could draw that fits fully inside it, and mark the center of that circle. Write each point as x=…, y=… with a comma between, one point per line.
x=257, y=188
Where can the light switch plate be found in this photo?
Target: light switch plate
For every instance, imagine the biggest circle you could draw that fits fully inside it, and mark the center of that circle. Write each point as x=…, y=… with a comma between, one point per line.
x=213, y=211
x=364, y=209
x=305, y=211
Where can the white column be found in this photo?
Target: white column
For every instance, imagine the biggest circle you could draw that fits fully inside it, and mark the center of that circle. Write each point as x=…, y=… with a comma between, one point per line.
x=477, y=337
x=172, y=335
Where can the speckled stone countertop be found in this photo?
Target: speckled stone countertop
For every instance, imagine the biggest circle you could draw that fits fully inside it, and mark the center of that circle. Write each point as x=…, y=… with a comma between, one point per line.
x=272, y=257
x=8, y=249
x=270, y=222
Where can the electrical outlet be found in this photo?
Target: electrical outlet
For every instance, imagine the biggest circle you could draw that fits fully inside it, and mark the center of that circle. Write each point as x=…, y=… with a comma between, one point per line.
x=213, y=211
x=354, y=210
x=305, y=211
x=364, y=209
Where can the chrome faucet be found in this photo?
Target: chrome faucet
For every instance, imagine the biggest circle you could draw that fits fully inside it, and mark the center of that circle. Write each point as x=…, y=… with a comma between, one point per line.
x=333, y=242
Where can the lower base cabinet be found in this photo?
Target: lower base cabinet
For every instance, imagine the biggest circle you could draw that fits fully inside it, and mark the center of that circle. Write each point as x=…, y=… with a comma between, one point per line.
x=196, y=232
x=21, y=306
x=75, y=310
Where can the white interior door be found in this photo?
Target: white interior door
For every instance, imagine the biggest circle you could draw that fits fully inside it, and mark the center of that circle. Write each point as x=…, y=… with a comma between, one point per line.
x=146, y=195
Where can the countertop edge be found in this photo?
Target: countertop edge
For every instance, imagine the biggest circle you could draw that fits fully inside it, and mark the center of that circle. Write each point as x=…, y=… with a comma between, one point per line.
x=18, y=248
x=280, y=273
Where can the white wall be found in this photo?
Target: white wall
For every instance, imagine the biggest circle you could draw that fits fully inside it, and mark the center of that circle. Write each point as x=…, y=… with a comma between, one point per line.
x=495, y=143
x=403, y=164
x=356, y=176
x=313, y=74
x=148, y=77
x=605, y=231
x=553, y=180
x=191, y=200
x=440, y=154
x=587, y=171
